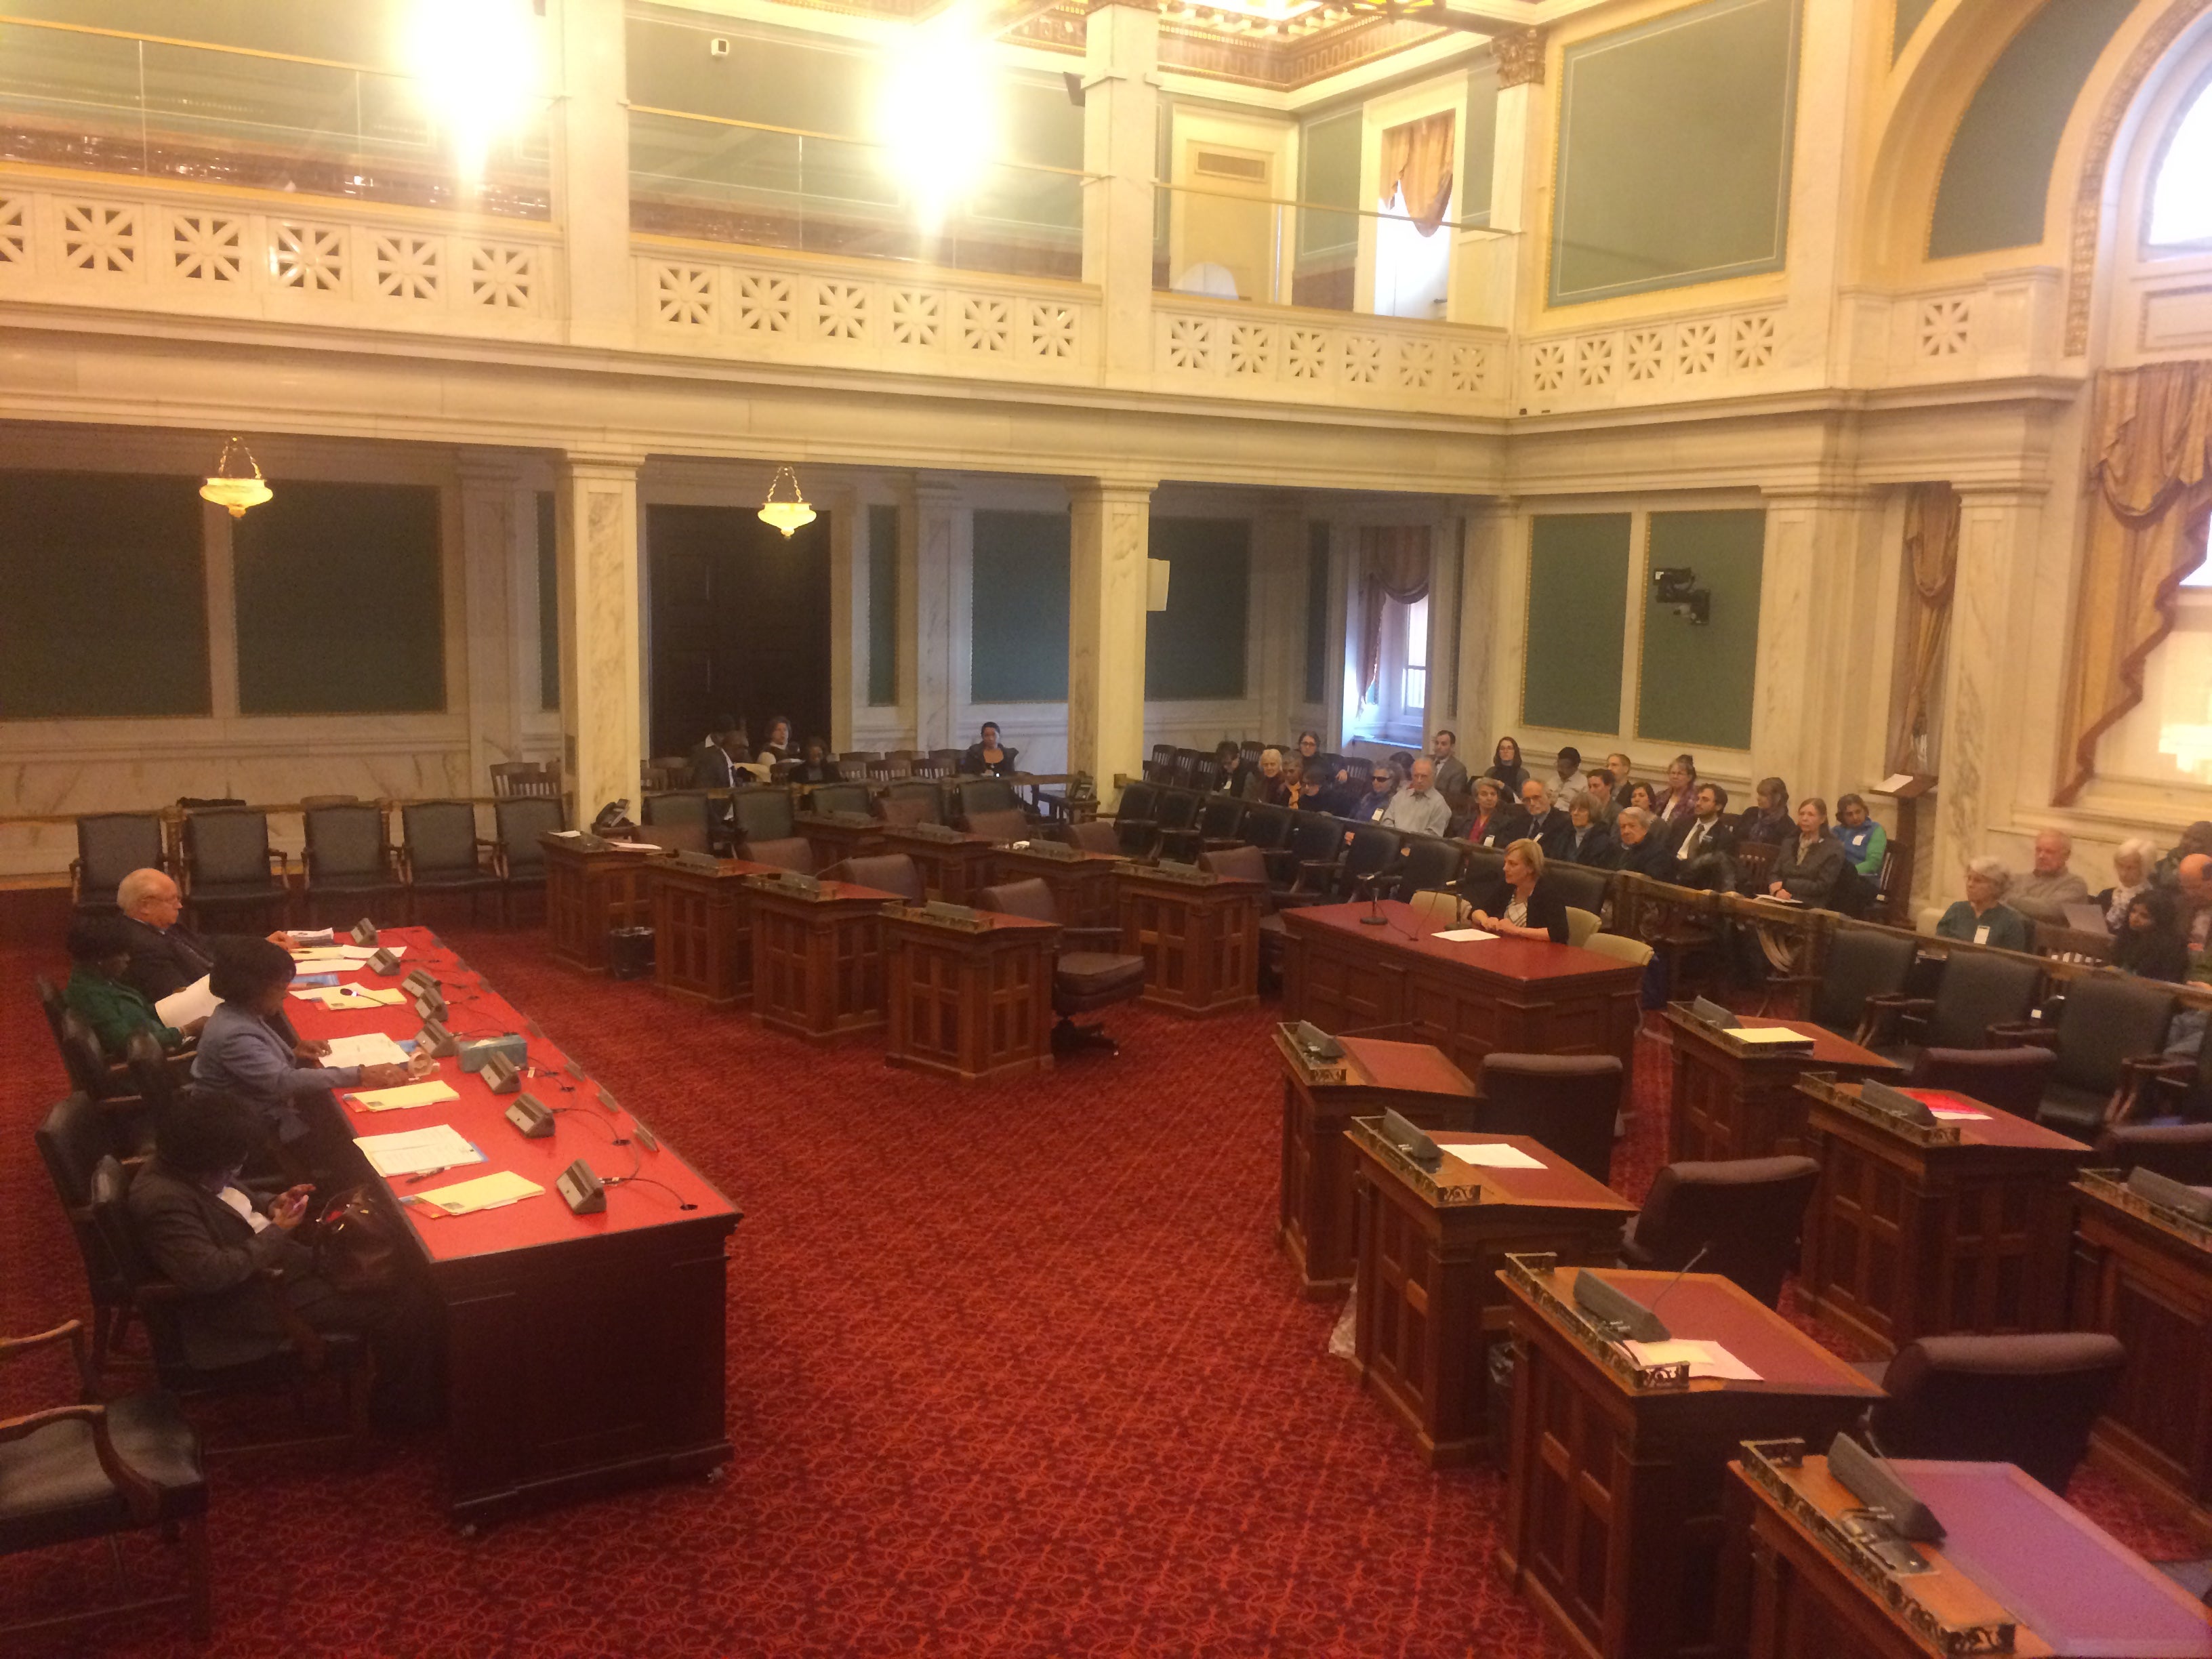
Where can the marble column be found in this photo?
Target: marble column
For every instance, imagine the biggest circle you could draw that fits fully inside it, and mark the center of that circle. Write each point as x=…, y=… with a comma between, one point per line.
x=602, y=719
x=591, y=171
x=933, y=518
x=1818, y=695
x=1107, y=589
x=848, y=669
x=1494, y=552
x=1519, y=158
x=498, y=533
x=1121, y=146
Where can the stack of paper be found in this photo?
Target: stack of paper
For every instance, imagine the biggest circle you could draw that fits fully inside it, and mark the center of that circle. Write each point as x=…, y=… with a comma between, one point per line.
x=182, y=1008
x=411, y=1151
x=1496, y=1154
x=312, y=936
x=484, y=1192
x=374, y=1049
x=1705, y=1358
x=1463, y=936
x=406, y=1094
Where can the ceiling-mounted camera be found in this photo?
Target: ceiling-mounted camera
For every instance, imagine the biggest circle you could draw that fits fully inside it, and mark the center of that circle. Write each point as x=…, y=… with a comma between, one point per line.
x=1676, y=588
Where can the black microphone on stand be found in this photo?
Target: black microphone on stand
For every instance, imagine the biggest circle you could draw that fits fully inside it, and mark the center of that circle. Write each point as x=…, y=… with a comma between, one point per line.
x=1373, y=882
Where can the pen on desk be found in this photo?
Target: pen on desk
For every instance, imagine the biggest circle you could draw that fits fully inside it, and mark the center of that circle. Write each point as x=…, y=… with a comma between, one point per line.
x=422, y=1175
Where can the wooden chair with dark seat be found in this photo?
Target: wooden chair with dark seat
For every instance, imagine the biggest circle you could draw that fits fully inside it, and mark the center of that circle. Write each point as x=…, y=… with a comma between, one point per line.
x=52, y=1003
x=1011, y=825
x=525, y=780
x=1747, y=1216
x=348, y=864
x=2011, y=1080
x=1087, y=975
x=1754, y=866
x=680, y=820
x=95, y=1469
x=785, y=852
x=988, y=795
x=109, y=847
x=517, y=857
x=1267, y=828
x=892, y=872
x=1175, y=816
x=1859, y=962
x=911, y=801
x=661, y=773
x=73, y=1136
x=1160, y=766
x=1977, y=989
x=107, y=1083
x=1303, y=869
x=2029, y=1401
x=763, y=814
x=1569, y=1103
x=439, y=852
x=2179, y=1152
x=1483, y=868
x=230, y=867
x=2107, y=1024
x=2063, y=944
x=1219, y=818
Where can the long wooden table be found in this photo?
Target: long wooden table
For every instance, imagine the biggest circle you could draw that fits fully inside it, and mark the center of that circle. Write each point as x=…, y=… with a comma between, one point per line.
x=583, y=1353
x=591, y=888
x=1732, y=1099
x=1498, y=996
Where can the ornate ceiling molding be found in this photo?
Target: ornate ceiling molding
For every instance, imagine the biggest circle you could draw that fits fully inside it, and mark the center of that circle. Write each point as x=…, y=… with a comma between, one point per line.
x=1519, y=54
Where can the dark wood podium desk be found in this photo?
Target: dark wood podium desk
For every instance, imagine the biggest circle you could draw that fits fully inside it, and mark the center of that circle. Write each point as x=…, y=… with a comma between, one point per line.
x=835, y=837
x=591, y=888
x=2019, y=1571
x=953, y=866
x=1495, y=996
x=969, y=998
x=1319, y=1097
x=819, y=958
x=1614, y=1492
x=703, y=928
x=1733, y=1100
x=2143, y=1273
x=1430, y=1246
x=583, y=1353
x=1961, y=1228
x=1199, y=938
x=1085, y=886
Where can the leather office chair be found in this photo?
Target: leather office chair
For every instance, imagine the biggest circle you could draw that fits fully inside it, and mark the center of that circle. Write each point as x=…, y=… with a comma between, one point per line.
x=892, y=872
x=2165, y=1090
x=92, y=1469
x=1218, y=815
x=1012, y=824
x=109, y=847
x=1861, y=963
x=52, y=1003
x=1175, y=814
x=73, y=1136
x=2010, y=1079
x=1747, y=1215
x=786, y=852
x=827, y=798
x=2025, y=1399
x=229, y=866
x=2181, y=1151
x=1160, y=764
x=1369, y=863
x=1267, y=828
x=1084, y=979
x=1251, y=864
x=1581, y=886
x=911, y=801
x=1571, y=1103
x=347, y=861
x=1136, y=818
x=108, y=1084
x=988, y=794
x=1431, y=865
x=1484, y=869
x=2105, y=1023
x=763, y=814
x=1303, y=871
x=439, y=853
x=680, y=820
x=518, y=857
x=1979, y=989
x=1092, y=835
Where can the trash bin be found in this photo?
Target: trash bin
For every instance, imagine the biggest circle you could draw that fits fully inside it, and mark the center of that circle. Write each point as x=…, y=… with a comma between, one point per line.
x=629, y=953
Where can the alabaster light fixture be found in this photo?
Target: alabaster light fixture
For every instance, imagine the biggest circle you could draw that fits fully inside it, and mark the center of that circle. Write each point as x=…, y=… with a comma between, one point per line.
x=786, y=513
x=236, y=482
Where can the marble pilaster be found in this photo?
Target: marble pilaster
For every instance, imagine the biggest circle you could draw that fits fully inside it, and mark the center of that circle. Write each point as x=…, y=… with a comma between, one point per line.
x=1817, y=696
x=591, y=171
x=1107, y=591
x=1120, y=138
x=933, y=519
x=498, y=535
x=602, y=719
x=1278, y=566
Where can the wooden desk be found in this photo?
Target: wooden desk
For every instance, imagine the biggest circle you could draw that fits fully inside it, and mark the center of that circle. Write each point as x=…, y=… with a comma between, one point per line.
x=2144, y=1275
x=2019, y=1570
x=1614, y=1493
x=591, y=889
x=1504, y=996
x=818, y=961
x=835, y=837
x=1199, y=939
x=1318, y=1208
x=1086, y=887
x=1731, y=1100
x=969, y=1001
x=1962, y=1228
x=703, y=929
x=953, y=870
x=583, y=1353
x=1430, y=1246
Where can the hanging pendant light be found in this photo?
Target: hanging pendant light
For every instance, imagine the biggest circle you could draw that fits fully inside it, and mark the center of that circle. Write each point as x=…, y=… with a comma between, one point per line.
x=237, y=482
x=786, y=514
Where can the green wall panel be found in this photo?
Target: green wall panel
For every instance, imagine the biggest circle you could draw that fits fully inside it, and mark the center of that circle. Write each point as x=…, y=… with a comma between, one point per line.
x=549, y=603
x=1480, y=151
x=1673, y=157
x=883, y=606
x=1329, y=177
x=1903, y=21
x=1018, y=608
x=1316, y=611
x=338, y=592
x=1577, y=623
x=1195, y=649
x=1696, y=682
x=105, y=611
x=1998, y=171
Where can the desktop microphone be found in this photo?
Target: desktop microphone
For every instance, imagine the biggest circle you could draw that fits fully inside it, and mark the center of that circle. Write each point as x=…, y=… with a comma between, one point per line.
x=1373, y=882
x=1704, y=1250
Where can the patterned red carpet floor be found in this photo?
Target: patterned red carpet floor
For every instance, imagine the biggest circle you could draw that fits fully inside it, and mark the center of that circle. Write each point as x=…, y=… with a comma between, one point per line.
x=1014, y=1370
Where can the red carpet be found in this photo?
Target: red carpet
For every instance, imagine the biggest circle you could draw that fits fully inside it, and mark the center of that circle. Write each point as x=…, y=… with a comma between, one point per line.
x=1014, y=1370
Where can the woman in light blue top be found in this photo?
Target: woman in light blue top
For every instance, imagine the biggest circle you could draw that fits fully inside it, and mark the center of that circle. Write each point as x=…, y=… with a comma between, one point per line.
x=1864, y=841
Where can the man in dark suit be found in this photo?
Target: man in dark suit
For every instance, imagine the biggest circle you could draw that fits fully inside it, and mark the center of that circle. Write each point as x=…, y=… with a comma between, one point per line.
x=165, y=956
x=1643, y=845
x=1540, y=821
x=711, y=764
x=1701, y=837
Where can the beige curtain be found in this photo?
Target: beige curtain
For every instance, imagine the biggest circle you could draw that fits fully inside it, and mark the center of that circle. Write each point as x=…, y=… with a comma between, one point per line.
x=1931, y=566
x=2150, y=482
x=1417, y=158
x=1394, y=564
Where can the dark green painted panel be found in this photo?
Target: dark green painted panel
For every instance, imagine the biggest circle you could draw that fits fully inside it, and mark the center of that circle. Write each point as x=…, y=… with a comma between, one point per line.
x=1697, y=682
x=1329, y=177
x=105, y=611
x=339, y=598
x=343, y=31
x=1578, y=633
x=1195, y=649
x=1018, y=608
x=1479, y=152
x=1316, y=612
x=1907, y=19
x=1998, y=171
x=549, y=603
x=1673, y=159
x=883, y=606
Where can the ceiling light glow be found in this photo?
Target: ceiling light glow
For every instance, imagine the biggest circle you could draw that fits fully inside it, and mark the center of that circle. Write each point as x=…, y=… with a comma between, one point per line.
x=475, y=63
x=937, y=117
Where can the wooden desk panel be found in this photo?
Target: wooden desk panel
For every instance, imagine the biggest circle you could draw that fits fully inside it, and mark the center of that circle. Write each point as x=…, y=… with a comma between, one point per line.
x=1728, y=1103
x=702, y=930
x=839, y=836
x=818, y=962
x=1199, y=940
x=591, y=891
x=1086, y=889
x=953, y=871
x=970, y=1002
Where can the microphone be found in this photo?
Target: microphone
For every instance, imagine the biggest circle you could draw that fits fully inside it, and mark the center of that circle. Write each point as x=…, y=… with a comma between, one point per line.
x=1372, y=881
x=1704, y=1250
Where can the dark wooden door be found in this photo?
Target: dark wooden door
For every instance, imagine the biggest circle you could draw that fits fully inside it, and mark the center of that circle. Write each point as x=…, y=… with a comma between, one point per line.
x=740, y=624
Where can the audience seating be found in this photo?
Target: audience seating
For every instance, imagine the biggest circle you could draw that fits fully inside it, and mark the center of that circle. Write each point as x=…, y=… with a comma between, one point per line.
x=664, y=772
x=228, y=865
x=75, y=1135
x=1302, y=870
x=2104, y=1024
x=892, y=872
x=1754, y=866
x=1161, y=764
x=1580, y=885
x=1267, y=828
x=758, y=814
x=988, y=794
x=525, y=780
x=1483, y=869
x=1430, y=864
x=109, y=847
x=1136, y=820
x=1571, y=1103
x=785, y=852
x=2063, y=944
x=2181, y=1151
x=109, y=1084
x=1084, y=978
x=905, y=803
x=1861, y=963
x=1219, y=818
x=346, y=859
x=1979, y=989
x=2029, y=1401
x=441, y=852
x=1174, y=819
x=1370, y=862
x=827, y=798
x=1747, y=1216
x=680, y=820
x=2011, y=1080
x=2165, y=1090
x=518, y=857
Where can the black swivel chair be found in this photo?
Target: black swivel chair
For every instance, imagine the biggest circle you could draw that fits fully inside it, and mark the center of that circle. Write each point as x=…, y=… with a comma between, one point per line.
x=1861, y=963
x=1747, y=1216
x=1569, y=1103
x=1977, y=989
x=230, y=867
x=1136, y=818
x=109, y=847
x=2106, y=1025
x=2029, y=1401
x=2011, y=1080
x=1431, y=865
x=680, y=820
x=2181, y=1151
x=74, y=1137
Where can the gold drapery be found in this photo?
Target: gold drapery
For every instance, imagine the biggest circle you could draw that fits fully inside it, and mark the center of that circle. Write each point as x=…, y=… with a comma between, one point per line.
x=1931, y=566
x=1417, y=159
x=1394, y=565
x=2150, y=488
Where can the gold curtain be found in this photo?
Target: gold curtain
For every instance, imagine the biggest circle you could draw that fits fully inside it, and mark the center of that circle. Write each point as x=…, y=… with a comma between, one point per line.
x=2150, y=486
x=1394, y=565
x=1417, y=158
x=1931, y=565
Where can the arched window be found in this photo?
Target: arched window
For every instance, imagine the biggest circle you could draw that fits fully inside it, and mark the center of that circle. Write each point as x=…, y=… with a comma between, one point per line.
x=2181, y=196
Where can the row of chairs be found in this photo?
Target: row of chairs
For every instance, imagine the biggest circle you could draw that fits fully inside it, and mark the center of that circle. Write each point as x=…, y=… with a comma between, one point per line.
x=872, y=765
x=762, y=823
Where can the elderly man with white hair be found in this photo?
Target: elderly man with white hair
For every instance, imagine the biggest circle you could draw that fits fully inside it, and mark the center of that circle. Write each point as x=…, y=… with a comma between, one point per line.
x=1419, y=807
x=1983, y=917
x=165, y=956
x=2044, y=892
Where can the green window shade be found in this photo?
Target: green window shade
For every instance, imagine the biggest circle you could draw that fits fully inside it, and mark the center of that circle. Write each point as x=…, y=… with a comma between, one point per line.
x=339, y=601
x=1578, y=621
x=1195, y=649
x=883, y=606
x=107, y=605
x=1017, y=608
x=1316, y=612
x=1697, y=682
x=549, y=603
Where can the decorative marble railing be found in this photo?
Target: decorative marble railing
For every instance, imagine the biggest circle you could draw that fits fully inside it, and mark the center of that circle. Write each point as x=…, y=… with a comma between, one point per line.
x=1286, y=353
x=1715, y=353
x=2011, y=323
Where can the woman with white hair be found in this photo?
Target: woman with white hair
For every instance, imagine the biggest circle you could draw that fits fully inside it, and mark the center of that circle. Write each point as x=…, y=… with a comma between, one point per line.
x=2132, y=861
x=1983, y=917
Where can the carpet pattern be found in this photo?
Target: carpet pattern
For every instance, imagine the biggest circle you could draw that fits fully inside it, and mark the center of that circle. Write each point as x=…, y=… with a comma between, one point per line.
x=1014, y=1370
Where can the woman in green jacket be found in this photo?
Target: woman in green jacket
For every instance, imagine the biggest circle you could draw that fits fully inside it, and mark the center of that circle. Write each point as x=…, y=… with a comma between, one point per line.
x=100, y=954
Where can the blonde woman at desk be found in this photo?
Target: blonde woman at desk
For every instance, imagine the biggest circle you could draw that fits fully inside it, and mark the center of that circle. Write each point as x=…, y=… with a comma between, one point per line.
x=1519, y=905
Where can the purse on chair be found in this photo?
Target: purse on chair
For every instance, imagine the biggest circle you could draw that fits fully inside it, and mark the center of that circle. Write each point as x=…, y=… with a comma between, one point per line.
x=357, y=1243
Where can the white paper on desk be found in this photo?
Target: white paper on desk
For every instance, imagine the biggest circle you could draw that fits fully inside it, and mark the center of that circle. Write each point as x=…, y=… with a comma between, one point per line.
x=363, y=952
x=371, y=1048
x=1706, y=1358
x=319, y=953
x=1496, y=1154
x=1892, y=783
x=313, y=936
x=1463, y=936
x=1954, y=1113
x=634, y=847
x=182, y=1008
x=411, y=1151
x=345, y=997
x=568, y=834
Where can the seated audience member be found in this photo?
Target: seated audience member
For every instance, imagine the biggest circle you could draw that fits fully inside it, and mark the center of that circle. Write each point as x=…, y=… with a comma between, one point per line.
x=1620, y=766
x=2150, y=944
x=236, y=1257
x=987, y=755
x=1703, y=835
x=245, y=1055
x=1230, y=775
x=1587, y=842
x=1811, y=863
x=1983, y=917
x=815, y=765
x=2044, y=893
x=1520, y=904
x=1642, y=795
x=1541, y=821
x=1643, y=844
x=1601, y=790
x=1487, y=819
x=1309, y=794
x=1864, y=842
x=777, y=749
x=2192, y=903
x=2197, y=838
x=1273, y=788
x=1570, y=782
x=1384, y=780
x=1418, y=808
x=712, y=760
x=1678, y=802
x=1341, y=791
x=1505, y=766
x=1450, y=769
x=1770, y=822
x=2131, y=867
x=1309, y=746
x=100, y=990
x=165, y=956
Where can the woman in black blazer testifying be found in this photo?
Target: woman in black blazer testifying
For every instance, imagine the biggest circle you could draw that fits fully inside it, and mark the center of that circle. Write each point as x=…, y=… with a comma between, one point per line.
x=1519, y=905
